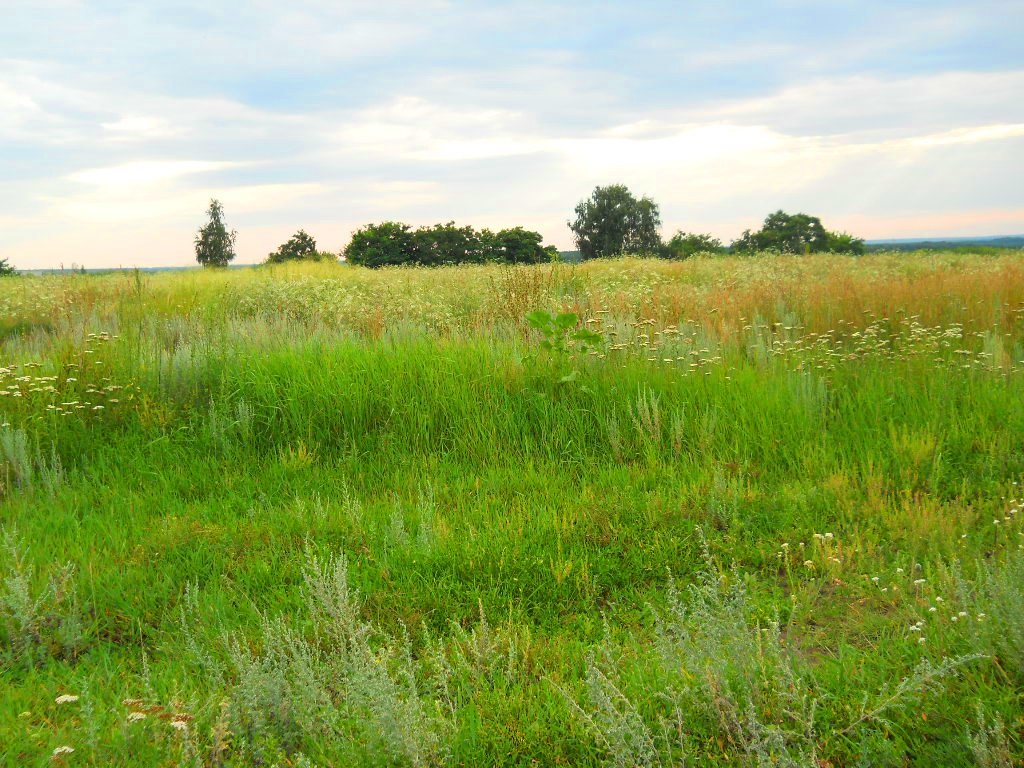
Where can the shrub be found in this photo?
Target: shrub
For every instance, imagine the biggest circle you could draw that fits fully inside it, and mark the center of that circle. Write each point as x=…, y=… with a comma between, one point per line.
x=6, y=270
x=683, y=245
x=393, y=243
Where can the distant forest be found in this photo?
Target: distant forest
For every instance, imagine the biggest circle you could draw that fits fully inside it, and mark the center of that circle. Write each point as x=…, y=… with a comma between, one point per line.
x=955, y=244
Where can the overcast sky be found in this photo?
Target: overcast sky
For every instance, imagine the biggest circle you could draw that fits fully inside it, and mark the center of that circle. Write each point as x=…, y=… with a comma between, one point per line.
x=120, y=120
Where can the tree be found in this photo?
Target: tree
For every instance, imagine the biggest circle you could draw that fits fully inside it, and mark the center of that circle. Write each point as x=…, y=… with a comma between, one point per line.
x=6, y=270
x=215, y=246
x=392, y=243
x=380, y=245
x=613, y=221
x=796, y=233
x=683, y=245
x=301, y=246
x=447, y=244
x=519, y=246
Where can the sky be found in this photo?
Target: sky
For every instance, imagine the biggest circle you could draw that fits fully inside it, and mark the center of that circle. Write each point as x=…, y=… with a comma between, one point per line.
x=119, y=121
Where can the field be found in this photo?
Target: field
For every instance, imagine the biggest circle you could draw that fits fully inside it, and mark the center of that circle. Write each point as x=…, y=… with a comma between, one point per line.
x=766, y=512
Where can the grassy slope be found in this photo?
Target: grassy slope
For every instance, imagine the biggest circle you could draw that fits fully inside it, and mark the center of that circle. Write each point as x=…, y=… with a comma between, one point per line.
x=518, y=531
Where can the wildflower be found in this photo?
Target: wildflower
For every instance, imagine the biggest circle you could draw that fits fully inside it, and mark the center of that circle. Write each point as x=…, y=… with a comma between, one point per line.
x=134, y=717
x=920, y=640
x=874, y=579
x=899, y=570
x=179, y=725
x=919, y=582
x=67, y=698
x=808, y=563
x=933, y=609
x=63, y=750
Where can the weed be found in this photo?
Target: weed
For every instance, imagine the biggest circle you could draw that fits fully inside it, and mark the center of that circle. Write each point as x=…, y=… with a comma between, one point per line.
x=40, y=622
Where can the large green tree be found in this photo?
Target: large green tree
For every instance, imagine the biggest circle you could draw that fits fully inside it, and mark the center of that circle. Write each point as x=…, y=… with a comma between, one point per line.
x=6, y=269
x=300, y=246
x=612, y=221
x=215, y=245
x=796, y=233
x=380, y=245
x=519, y=246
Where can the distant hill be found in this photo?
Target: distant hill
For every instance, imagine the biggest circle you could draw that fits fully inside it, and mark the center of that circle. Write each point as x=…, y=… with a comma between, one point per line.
x=946, y=244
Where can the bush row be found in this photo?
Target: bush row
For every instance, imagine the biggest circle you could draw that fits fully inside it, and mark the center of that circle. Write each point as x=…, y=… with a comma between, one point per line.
x=393, y=243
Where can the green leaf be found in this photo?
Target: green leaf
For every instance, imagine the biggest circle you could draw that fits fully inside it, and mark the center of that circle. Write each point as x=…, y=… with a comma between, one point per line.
x=567, y=320
x=588, y=336
x=540, y=320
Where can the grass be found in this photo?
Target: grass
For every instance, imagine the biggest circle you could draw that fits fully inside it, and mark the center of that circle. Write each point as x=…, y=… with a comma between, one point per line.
x=318, y=515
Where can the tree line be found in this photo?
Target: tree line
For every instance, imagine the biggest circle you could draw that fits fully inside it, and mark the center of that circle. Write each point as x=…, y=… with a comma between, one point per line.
x=611, y=222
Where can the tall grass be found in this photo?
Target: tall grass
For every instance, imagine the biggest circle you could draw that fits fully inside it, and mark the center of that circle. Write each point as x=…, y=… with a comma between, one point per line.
x=325, y=515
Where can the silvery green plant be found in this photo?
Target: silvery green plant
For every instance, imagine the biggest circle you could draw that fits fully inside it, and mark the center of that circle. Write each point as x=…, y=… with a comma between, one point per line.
x=39, y=622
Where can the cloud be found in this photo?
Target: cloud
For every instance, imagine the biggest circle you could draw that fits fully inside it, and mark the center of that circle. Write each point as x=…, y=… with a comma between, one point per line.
x=145, y=173
x=339, y=113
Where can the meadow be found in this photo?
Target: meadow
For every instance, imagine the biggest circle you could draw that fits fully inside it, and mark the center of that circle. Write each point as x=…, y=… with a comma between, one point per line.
x=764, y=511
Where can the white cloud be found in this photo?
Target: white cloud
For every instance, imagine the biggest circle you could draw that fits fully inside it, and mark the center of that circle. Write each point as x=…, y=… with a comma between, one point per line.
x=891, y=106
x=319, y=111
x=145, y=172
x=135, y=127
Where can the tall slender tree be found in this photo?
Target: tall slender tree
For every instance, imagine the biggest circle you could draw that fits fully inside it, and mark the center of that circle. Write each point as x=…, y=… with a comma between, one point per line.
x=215, y=246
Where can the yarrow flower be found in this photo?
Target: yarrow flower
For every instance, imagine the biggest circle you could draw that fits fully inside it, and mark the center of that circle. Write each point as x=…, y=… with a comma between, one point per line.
x=63, y=750
x=67, y=698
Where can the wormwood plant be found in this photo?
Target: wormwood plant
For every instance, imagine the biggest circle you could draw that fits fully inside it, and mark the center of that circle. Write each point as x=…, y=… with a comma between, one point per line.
x=339, y=680
x=24, y=466
x=995, y=598
x=38, y=622
x=718, y=673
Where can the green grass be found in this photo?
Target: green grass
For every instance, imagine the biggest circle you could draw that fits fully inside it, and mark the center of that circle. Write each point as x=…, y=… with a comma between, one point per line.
x=331, y=516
